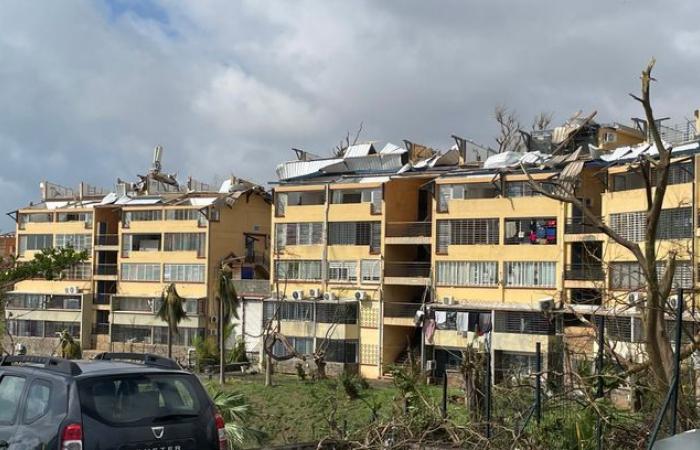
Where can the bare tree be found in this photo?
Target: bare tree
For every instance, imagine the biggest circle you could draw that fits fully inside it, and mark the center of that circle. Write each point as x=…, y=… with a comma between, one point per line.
x=345, y=142
x=542, y=121
x=509, y=138
x=657, y=343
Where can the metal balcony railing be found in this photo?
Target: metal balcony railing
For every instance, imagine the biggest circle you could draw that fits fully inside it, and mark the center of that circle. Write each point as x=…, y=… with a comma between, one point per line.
x=101, y=299
x=586, y=272
x=106, y=269
x=407, y=269
x=408, y=229
x=252, y=287
x=392, y=309
x=107, y=239
x=579, y=225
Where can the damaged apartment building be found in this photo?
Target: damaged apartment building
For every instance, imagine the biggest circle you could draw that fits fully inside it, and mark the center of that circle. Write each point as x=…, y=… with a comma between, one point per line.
x=391, y=249
x=140, y=238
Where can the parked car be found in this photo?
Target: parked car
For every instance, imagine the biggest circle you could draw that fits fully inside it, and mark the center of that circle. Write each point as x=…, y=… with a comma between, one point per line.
x=125, y=401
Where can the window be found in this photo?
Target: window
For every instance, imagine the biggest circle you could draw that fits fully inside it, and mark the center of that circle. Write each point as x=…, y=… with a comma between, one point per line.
x=37, y=403
x=462, y=191
x=301, y=345
x=530, y=273
x=51, y=328
x=681, y=173
x=678, y=173
x=342, y=271
x=80, y=271
x=285, y=199
x=522, y=189
x=79, y=242
x=531, y=231
x=146, y=215
x=627, y=181
x=140, y=243
x=294, y=311
x=131, y=333
x=182, y=214
x=25, y=218
x=186, y=337
x=185, y=242
x=370, y=270
x=140, y=272
x=609, y=137
x=355, y=233
x=372, y=196
x=135, y=399
x=11, y=388
x=298, y=270
x=515, y=364
x=340, y=312
x=63, y=302
x=467, y=273
x=26, y=328
x=522, y=322
x=626, y=275
x=305, y=233
x=26, y=301
x=34, y=242
x=466, y=232
x=674, y=223
x=85, y=217
x=341, y=351
x=187, y=273
x=682, y=276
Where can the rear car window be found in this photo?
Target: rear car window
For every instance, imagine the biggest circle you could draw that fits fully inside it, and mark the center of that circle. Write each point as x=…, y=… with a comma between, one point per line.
x=37, y=400
x=139, y=399
x=10, y=392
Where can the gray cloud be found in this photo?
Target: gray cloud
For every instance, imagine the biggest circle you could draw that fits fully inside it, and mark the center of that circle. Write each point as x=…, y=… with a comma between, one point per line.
x=87, y=88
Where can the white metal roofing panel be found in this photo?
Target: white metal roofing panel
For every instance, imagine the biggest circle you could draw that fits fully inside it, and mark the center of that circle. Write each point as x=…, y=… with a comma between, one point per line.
x=202, y=201
x=294, y=169
x=390, y=148
x=358, y=150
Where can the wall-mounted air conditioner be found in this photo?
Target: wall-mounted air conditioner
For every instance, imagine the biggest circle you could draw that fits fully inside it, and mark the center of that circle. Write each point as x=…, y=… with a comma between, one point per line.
x=329, y=296
x=448, y=300
x=297, y=295
x=360, y=295
x=633, y=299
x=72, y=290
x=315, y=293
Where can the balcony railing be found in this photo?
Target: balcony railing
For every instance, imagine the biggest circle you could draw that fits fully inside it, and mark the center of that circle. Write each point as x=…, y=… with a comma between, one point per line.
x=407, y=269
x=408, y=229
x=252, y=287
x=101, y=299
x=106, y=269
x=257, y=258
x=107, y=239
x=592, y=272
x=100, y=328
x=392, y=309
x=580, y=225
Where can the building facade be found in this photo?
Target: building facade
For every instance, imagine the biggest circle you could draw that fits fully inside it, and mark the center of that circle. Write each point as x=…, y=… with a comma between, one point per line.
x=140, y=239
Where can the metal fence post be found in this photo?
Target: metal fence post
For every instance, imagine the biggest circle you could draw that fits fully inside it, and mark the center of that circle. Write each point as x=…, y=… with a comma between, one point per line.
x=488, y=387
x=599, y=373
x=444, y=395
x=538, y=382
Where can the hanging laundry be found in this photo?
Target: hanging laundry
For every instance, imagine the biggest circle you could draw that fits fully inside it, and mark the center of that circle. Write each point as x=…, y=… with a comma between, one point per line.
x=429, y=330
x=462, y=321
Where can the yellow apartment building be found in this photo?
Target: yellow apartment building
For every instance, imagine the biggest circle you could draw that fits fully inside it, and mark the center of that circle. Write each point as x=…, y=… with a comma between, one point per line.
x=140, y=238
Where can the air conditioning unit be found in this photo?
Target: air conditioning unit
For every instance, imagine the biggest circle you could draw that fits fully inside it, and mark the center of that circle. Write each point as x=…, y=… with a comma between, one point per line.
x=430, y=364
x=633, y=298
x=448, y=300
x=673, y=301
x=546, y=304
x=297, y=295
x=315, y=293
x=360, y=295
x=72, y=290
x=329, y=296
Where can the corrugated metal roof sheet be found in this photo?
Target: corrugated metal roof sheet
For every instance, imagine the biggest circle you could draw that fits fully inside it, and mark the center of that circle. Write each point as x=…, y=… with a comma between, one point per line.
x=390, y=148
x=294, y=169
x=357, y=150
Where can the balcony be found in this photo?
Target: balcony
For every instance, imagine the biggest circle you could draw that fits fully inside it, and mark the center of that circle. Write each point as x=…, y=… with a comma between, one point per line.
x=101, y=299
x=252, y=288
x=408, y=233
x=580, y=228
x=108, y=271
x=107, y=240
x=100, y=328
x=581, y=275
x=400, y=313
x=407, y=273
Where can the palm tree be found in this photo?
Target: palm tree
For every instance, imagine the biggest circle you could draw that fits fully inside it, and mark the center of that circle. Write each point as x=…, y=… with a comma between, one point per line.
x=228, y=304
x=171, y=311
x=236, y=412
x=70, y=348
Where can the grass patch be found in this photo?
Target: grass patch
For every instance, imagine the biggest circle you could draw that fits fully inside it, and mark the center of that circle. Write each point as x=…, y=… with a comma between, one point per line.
x=293, y=411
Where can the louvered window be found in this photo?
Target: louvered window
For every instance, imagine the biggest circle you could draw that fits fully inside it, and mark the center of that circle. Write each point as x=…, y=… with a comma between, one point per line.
x=674, y=223
x=355, y=233
x=530, y=273
x=298, y=270
x=342, y=271
x=626, y=275
x=370, y=269
x=523, y=322
x=77, y=241
x=466, y=232
x=467, y=273
x=304, y=233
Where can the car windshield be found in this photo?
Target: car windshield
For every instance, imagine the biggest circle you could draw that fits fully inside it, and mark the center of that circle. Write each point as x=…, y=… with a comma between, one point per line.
x=139, y=399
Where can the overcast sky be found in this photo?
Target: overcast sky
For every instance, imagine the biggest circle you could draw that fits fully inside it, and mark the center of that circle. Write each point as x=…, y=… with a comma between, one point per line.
x=87, y=88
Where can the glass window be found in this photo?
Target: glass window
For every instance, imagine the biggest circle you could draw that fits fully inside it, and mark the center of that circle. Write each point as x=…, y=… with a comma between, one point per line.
x=37, y=403
x=139, y=399
x=85, y=217
x=467, y=273
x=342, y=271
x=182, y=214
x=191, y=273
x=79, y=242
x=531, y=230
x=298, y=270
x=34, y=242
x=185, y=242
x=370, y=269
x=140, y=272
x=530, y=273
x=11, y=388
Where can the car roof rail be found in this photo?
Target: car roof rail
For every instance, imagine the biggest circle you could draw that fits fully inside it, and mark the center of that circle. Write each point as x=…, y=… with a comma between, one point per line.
x=64, y=366
x=147, y=359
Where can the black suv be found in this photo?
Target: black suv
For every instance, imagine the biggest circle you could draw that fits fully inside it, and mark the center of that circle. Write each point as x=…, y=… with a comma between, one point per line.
x=125, y=401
